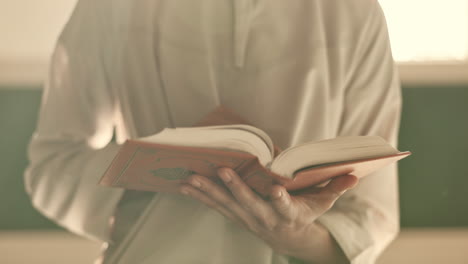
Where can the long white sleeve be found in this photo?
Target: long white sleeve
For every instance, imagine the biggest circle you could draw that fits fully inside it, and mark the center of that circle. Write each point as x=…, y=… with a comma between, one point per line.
x=71, y=147
x=366, y=219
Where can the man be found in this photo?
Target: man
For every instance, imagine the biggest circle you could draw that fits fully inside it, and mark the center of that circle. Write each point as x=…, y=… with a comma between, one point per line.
x=300, y=70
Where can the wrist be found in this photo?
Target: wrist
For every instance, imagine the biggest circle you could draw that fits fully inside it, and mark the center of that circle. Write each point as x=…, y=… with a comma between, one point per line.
x=318, y=247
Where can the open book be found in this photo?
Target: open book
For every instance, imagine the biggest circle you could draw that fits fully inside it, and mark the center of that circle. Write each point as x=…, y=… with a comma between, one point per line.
x=163, y=161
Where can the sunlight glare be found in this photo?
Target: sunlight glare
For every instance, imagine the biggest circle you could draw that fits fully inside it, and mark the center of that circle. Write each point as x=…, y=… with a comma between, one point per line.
x=428, y=30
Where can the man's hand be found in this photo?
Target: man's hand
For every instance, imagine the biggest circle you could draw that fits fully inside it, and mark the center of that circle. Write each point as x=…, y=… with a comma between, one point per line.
x=286, y=223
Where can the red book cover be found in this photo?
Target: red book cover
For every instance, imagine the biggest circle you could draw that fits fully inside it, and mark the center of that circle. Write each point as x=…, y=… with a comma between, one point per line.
x=155, y=167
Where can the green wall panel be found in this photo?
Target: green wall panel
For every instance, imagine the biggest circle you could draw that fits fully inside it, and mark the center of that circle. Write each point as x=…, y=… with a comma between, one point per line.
x=433, y=181
x=18, y=114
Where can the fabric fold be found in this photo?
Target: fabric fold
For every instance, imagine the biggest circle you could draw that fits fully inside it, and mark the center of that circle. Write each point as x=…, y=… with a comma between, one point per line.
x=242, y=22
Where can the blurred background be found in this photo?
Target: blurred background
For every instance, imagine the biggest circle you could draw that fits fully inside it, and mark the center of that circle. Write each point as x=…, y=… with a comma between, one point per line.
x=430, y=43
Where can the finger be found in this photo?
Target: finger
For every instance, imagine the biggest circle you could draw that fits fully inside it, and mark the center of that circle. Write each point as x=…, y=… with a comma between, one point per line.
x=282, y=203
x=338, y=187
x=200, y=196
x=224, y=198
x=258, y=207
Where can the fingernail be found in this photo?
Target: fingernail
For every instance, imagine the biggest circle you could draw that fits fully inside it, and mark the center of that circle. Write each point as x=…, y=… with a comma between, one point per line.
x=225, y=175
x=278, y=194
x=195, y=183
x=184, y=191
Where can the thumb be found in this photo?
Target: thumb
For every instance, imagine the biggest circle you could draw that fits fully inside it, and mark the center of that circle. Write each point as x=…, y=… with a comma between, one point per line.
x=338, y=186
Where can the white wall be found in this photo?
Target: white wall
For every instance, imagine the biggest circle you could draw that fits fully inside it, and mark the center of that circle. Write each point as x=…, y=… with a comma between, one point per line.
x=28, y=30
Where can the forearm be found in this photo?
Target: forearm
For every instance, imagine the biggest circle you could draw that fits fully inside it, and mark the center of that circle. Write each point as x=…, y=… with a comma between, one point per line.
x=62, y=182
x=320, y=247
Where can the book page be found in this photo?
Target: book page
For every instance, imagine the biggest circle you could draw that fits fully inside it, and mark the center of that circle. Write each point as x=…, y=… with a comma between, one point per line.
x=257, y=131
x=219, y=137
x=330, y=151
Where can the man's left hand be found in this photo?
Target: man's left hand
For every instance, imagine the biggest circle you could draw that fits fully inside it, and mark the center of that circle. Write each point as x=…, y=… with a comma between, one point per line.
x=285, y=222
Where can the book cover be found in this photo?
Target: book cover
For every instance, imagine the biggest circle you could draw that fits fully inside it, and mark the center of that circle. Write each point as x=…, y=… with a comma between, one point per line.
x=155, y=167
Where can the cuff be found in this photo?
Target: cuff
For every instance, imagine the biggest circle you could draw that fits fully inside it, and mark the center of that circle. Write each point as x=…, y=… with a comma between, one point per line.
x=361, y=230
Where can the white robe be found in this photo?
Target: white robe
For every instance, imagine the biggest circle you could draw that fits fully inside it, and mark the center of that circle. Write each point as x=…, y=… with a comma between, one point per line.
x=300, y=70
